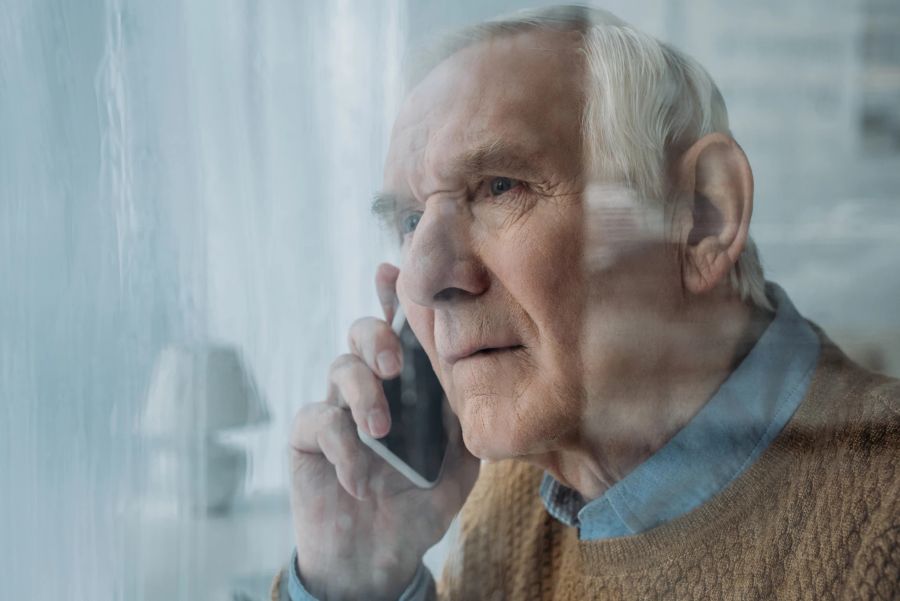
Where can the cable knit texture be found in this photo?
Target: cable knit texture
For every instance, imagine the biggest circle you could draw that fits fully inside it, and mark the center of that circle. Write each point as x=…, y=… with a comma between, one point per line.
x=815, y=517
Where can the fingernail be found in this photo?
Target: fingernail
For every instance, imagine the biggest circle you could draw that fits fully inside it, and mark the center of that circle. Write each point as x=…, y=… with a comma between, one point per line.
x=378, y=423
x=362, y=488
x=388, y=363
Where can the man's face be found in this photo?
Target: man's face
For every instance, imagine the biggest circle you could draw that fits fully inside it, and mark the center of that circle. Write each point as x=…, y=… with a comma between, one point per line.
x=485, y=166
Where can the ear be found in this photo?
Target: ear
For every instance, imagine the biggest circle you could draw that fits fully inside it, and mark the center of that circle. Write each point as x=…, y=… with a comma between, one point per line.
x=716, y=175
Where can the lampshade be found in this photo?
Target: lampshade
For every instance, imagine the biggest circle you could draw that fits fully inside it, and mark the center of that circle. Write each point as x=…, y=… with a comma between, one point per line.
x=201, y=390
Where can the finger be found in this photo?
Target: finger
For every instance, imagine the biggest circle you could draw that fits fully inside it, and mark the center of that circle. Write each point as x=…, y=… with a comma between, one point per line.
x=376, y=343
x=386, y=286
x=329, y=431
x=353, y=385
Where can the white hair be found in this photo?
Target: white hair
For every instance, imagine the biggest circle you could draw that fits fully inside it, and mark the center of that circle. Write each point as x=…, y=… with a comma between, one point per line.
x=646, y=103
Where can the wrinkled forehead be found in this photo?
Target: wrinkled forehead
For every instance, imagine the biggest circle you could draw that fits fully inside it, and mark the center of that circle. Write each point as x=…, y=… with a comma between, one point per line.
x=524, y=90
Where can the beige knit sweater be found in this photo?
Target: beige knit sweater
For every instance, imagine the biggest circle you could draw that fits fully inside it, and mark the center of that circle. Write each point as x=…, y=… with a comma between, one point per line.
x=816, y=517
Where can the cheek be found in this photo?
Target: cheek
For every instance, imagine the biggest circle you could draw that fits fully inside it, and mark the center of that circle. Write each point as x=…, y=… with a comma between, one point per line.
x=540, y=265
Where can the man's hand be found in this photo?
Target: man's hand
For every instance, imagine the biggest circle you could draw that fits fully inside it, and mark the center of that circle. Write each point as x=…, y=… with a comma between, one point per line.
x=361, y=527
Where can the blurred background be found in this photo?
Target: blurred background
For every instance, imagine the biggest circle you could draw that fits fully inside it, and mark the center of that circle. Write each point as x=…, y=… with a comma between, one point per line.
x=184, y=193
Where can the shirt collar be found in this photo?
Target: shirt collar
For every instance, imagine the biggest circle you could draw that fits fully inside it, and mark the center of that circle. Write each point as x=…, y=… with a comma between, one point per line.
x=717, y=444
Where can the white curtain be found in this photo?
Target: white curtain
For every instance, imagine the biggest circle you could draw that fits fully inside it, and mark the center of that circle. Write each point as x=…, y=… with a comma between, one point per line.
x=171, y=173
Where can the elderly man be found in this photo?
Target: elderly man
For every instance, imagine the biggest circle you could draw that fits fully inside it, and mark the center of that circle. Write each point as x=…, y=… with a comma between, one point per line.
x=653, y=419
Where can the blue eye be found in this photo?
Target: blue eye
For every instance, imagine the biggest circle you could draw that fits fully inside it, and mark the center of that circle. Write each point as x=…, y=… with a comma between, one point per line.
x=408, y=224
x=501, y=185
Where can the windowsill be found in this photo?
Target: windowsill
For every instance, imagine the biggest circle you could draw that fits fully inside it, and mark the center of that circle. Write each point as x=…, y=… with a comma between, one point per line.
x=197, y=556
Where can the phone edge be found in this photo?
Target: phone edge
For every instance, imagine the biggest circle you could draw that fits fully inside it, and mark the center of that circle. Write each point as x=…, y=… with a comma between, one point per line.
x=397, y=463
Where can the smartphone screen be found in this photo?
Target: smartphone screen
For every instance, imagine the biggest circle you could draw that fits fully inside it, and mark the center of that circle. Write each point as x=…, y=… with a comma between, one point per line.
x=417, y=437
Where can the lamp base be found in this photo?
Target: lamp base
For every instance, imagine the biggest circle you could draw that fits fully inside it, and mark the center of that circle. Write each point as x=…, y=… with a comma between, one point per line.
x=226, y=468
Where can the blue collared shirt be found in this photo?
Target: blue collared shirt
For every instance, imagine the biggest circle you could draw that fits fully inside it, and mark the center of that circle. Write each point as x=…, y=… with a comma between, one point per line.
x=420, y=589
x=725, y=437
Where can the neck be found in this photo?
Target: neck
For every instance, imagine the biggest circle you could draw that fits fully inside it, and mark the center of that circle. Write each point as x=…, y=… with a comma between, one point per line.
x=631, y=414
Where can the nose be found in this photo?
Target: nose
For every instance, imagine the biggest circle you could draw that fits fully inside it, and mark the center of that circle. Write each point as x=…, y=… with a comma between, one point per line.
x=441, y=264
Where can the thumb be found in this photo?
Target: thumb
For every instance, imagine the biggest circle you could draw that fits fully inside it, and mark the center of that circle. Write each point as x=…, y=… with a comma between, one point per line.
x=386, y=286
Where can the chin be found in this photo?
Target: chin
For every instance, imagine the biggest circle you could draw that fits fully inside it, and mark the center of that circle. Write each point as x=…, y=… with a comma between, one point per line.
x=486, y=448
x=507, y=411
x=494, y=430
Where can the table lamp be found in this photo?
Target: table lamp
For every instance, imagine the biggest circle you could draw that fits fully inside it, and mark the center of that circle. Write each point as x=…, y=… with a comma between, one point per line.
x=196, y=394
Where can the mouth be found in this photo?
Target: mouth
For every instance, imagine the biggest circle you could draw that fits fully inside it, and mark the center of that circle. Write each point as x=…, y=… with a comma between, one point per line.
x=484, y=352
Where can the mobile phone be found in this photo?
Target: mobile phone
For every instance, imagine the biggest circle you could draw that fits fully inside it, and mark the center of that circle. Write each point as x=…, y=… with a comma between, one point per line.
x=417, y=442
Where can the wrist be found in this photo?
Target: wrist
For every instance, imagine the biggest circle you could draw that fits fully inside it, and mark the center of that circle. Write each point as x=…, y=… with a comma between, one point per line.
x=353, y=581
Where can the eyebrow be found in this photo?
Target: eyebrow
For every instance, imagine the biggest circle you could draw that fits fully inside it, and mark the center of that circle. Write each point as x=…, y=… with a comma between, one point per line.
x=497, y=157
x=500, y=157
x=384, y=206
